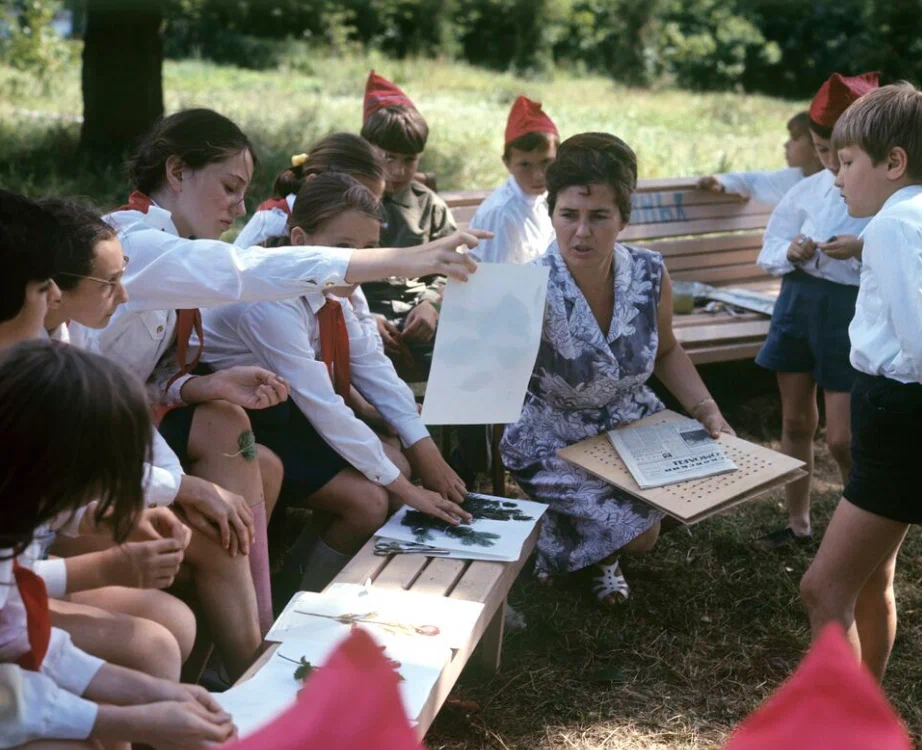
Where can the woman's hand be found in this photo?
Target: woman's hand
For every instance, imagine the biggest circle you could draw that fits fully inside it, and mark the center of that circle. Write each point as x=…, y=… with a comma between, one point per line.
x=144, y=565
x=843, y=247
x=708, y=413
x=249, y=387
x=801, y=249
x=421, y=323
x=434, y=472
x=428, y=502
x=222, y=516
x=179, y=725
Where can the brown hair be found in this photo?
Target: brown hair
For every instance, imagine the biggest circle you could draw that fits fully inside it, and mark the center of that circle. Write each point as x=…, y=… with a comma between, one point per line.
x=198, y=137
x=886, y=118
x=594, y=159
x=324, y=197
x=799, y=125
x=80, y=431
x=398, y=129
x=340, y=152
x=79, y=230
x=531, y=142
x=27, y=250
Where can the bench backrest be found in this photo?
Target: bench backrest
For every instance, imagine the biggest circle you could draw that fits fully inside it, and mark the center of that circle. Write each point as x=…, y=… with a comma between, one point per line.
x=714, y=238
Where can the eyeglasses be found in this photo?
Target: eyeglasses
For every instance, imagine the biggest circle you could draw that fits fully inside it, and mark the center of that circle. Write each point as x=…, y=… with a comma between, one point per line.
x=110, y=285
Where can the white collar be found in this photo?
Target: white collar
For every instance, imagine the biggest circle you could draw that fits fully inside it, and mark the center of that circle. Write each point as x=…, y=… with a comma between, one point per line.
x=903, y=194
x=521, y=195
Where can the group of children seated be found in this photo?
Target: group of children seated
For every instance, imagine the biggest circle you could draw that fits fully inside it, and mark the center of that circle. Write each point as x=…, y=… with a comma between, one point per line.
x=274, y=371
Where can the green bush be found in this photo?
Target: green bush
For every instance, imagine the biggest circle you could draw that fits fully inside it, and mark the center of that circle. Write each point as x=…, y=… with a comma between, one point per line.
x=27, y=40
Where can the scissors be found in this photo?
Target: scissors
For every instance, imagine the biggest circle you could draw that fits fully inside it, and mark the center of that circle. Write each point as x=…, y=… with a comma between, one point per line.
x=385, y=547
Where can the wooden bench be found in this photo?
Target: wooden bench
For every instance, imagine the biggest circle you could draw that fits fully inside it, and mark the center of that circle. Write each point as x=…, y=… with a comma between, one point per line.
x=477, y=581
x=706, y=237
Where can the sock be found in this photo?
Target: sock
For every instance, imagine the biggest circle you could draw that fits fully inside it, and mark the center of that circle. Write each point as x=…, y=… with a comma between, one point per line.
x=322, y=566
x=259, y=568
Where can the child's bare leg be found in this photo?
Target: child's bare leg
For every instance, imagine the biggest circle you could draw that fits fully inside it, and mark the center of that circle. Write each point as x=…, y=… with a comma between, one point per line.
x=800, y=419
x=839, y=430
x=357, y=508
x=218, y=431
x=857, y=550
x=148, y=604
x=224, y=587
x=875, y=615
x=272, y=472
x=128, y=641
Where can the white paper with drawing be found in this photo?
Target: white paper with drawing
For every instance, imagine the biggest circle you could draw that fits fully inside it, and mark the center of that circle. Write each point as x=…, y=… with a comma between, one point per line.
x=498, y=530
x=486, y=345
x=391, y=616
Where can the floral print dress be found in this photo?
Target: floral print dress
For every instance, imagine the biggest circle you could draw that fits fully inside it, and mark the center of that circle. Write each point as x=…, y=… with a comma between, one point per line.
x=586, y=382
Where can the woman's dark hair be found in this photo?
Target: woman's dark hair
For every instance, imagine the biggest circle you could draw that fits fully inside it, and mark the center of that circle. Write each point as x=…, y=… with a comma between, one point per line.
x=326, y=196
x=80, y=229
x=340, y=152
x=77, y=429
x=27, y=250
x=594, y=159
x=198, y=137
x=398, y=129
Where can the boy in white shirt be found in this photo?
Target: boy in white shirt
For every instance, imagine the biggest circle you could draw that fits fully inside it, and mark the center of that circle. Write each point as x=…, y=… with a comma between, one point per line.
x=516, y=212
x=770, y=186
x=879, y=142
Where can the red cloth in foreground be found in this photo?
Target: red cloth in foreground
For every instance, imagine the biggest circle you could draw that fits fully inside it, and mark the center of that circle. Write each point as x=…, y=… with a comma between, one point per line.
x=831, y=702
x=838, y=94
x=526, y=116
x=351, y=703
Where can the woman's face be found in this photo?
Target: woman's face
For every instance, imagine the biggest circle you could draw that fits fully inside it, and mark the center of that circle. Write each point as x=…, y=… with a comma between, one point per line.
x=209, y=199
x=825, y=153
x=350, y=229
x=92, y=302
x=587, y=222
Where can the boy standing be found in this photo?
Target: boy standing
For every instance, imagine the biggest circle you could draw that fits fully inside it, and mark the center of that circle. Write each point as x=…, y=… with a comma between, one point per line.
x=516, y=212
x=879, y=142
x=770, y=186
x=407, y=309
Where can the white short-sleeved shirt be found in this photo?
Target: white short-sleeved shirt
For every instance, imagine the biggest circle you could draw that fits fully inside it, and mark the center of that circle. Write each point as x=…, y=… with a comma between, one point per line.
x=520, y=221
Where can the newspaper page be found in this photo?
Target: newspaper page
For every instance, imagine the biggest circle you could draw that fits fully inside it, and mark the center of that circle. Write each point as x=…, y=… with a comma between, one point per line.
x=669, y=452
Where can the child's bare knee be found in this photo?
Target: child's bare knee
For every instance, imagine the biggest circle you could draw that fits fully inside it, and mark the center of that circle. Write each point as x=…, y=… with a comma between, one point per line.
x=839, y=447
x=799, y=426
x=371, y=511
x=222, y=418
x=156, y=650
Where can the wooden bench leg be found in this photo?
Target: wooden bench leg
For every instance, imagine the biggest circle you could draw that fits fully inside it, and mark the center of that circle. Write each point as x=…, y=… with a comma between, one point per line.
x=491, y=642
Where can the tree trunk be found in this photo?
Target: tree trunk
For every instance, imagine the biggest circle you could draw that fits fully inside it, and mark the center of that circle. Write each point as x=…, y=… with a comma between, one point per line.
x=122, y=86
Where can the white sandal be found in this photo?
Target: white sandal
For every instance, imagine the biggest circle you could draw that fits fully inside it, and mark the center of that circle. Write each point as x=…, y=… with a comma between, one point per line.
x=610, y=581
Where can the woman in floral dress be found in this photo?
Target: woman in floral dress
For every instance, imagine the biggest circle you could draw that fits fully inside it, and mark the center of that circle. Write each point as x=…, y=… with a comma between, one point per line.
x=607, y=329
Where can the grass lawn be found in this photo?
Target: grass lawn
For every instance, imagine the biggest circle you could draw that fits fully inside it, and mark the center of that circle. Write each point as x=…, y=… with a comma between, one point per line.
x=674, y=133
x=711, y=626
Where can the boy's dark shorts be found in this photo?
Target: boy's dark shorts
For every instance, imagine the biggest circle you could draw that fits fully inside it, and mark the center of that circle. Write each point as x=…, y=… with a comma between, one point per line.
x=886, y=424
x=809, y=331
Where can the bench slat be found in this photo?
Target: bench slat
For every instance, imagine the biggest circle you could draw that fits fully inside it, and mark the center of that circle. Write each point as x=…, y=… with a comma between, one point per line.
x=478, y=581
x=715, y=319
x=720, y=276
x=724, y=353
x=698, y=226
x=725, y=333
x=706, y=244
x=440, y=576
x=713, y=260
x=401, y=571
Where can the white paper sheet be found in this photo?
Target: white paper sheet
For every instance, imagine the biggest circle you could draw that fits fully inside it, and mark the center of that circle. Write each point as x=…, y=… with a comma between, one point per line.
x=486, y=345
x=391, y=616
x=259, y=700
x=498, y=531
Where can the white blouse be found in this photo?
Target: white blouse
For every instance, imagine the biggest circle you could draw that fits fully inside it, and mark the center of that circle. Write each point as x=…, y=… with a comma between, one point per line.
x=520, y=221
x=166, y=272
x=813, y=207
x=284, y=337
x=767, y=187
x=886, y=332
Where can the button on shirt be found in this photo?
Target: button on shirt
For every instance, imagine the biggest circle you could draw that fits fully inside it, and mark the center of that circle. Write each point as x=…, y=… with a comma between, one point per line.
x=814, y=208
x=519, y=220
x=886, y=332
x=766, y=187
x=167, y=272
x=284, y=337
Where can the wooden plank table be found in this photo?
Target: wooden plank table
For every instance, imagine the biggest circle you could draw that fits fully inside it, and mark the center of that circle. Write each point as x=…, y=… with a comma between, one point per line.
x=469, y=580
